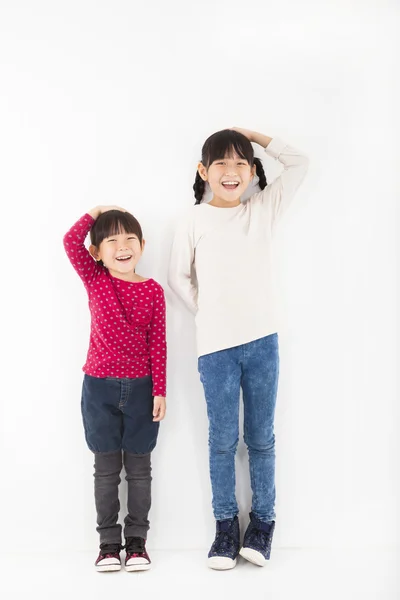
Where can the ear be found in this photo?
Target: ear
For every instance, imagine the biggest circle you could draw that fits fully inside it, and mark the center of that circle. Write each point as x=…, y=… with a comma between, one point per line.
x=143, y=245
x=202, y=171
x=94, y=252
x=253, y=170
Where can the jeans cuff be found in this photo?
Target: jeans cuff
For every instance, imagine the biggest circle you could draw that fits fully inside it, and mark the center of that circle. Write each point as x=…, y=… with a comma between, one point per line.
x=136, y=531
x=224, y=516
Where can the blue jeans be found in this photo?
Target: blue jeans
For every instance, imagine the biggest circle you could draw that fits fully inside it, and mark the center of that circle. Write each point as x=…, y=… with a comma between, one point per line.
x=254, y=367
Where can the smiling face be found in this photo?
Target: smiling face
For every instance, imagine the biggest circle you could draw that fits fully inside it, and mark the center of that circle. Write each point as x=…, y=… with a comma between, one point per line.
x=117, y=241
x=228, y=178
x=120, y=253
x=227, y=164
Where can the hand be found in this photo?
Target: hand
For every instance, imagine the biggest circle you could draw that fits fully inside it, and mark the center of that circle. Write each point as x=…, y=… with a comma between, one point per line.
x=159, y=408
x=99, y=210
x=253, y=136
x=246, y=132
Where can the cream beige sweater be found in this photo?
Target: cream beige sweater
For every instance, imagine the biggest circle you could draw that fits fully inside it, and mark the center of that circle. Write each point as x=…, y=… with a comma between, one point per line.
x=220, y=262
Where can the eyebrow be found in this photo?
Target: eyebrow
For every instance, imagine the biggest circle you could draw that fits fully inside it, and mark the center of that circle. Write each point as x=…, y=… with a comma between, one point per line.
x=239, y=159
x=113, y=235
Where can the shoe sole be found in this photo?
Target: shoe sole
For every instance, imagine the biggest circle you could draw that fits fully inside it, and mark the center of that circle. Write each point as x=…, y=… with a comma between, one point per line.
x=142, y=567
x=253, y=556
x=221, y=563
x=108, y=568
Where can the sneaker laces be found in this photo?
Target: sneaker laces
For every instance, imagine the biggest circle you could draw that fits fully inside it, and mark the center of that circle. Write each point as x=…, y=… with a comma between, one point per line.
x=135, y=545
x=109, y=550
x=261, y=534
x=224, y=539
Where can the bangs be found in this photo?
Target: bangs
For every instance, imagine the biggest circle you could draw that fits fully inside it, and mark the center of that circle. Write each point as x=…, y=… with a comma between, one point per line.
x=114, y=222
x=226, y=143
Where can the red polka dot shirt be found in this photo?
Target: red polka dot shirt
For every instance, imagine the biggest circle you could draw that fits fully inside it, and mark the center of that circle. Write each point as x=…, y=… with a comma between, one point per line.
x=127, y=336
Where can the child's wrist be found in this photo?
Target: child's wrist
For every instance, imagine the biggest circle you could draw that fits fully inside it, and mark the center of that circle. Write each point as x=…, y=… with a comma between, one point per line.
x=94, y=212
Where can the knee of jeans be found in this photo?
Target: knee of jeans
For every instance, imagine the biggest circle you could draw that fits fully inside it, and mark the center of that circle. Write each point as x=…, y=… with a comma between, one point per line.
x=260, y=445
x=223, y=445
x=107, y=463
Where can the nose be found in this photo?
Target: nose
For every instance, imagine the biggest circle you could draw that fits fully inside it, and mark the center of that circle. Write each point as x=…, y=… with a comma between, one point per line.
x=230, y=170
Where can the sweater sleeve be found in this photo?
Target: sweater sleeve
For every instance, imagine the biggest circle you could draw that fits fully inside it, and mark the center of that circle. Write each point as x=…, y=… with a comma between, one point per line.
x=279, y=194
x=158, y=344
x=181, y=264
x=78, y=254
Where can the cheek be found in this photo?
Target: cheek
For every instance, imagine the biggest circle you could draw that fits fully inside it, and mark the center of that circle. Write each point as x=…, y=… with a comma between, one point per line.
x=247, y=176
x=135, y=249
x=107, y=254
x=214, y=176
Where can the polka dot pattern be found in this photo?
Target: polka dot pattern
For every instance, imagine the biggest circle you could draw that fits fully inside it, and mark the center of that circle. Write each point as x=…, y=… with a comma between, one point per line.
x=128, y=332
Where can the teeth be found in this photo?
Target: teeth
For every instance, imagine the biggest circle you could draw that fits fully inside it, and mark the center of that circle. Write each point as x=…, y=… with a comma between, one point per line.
x=123, y=257
x=230, y=183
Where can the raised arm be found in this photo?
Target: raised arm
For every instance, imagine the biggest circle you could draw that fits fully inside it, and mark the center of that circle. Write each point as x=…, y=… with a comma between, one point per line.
x=295, y=164
x=74, y=244
x=78, y=254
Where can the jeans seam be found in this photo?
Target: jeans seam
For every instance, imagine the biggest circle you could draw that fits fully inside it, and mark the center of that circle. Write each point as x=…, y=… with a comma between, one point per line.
x=125, y=389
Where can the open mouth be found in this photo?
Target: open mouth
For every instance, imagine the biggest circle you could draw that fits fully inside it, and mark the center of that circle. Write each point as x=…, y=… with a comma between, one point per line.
x=230, y=185
x=124, y=258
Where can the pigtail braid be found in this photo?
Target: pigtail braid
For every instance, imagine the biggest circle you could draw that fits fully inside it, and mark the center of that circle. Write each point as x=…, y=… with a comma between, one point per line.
x=199, y=187
x=260, y=173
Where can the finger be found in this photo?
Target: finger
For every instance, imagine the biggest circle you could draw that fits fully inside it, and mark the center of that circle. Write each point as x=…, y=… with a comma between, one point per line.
x=161, y=413
x=156, y=408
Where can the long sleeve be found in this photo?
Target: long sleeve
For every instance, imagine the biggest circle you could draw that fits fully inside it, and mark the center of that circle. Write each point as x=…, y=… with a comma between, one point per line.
x=78, y=254
x=181, y=264
x=158, y=344
x=280, y=192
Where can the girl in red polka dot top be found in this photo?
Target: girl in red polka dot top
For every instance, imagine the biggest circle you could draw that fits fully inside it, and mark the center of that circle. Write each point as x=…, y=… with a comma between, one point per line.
x=124, y=387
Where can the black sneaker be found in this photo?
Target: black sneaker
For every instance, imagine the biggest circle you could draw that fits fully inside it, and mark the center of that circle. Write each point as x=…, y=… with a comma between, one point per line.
x=136, y=558
x=225, y=548
x=257, y=541
x=108, y=559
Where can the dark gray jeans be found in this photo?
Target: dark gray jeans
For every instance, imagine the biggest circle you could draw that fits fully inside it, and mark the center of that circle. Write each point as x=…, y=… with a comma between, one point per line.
x=118, y=421
x=107, y=469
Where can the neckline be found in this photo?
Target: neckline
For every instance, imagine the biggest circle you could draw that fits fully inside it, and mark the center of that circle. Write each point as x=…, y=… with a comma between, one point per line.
x=228, y=208
x=130, y=282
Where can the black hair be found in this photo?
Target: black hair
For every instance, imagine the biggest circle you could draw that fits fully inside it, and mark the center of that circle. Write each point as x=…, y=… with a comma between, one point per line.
x=226, y=143
x=114, y=222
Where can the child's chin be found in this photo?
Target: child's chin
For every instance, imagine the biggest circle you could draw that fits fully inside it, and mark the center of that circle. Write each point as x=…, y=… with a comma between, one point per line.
x=231, y=196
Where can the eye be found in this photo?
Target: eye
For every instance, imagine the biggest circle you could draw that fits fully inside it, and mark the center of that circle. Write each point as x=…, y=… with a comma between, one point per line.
x=132, y=237
x=219, y=162
x=111, y=240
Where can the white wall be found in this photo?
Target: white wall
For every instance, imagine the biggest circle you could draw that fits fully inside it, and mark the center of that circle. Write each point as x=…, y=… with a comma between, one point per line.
x=110, y=102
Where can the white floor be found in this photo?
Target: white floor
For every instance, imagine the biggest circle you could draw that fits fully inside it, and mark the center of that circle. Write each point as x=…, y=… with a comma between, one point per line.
x=291, y=574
